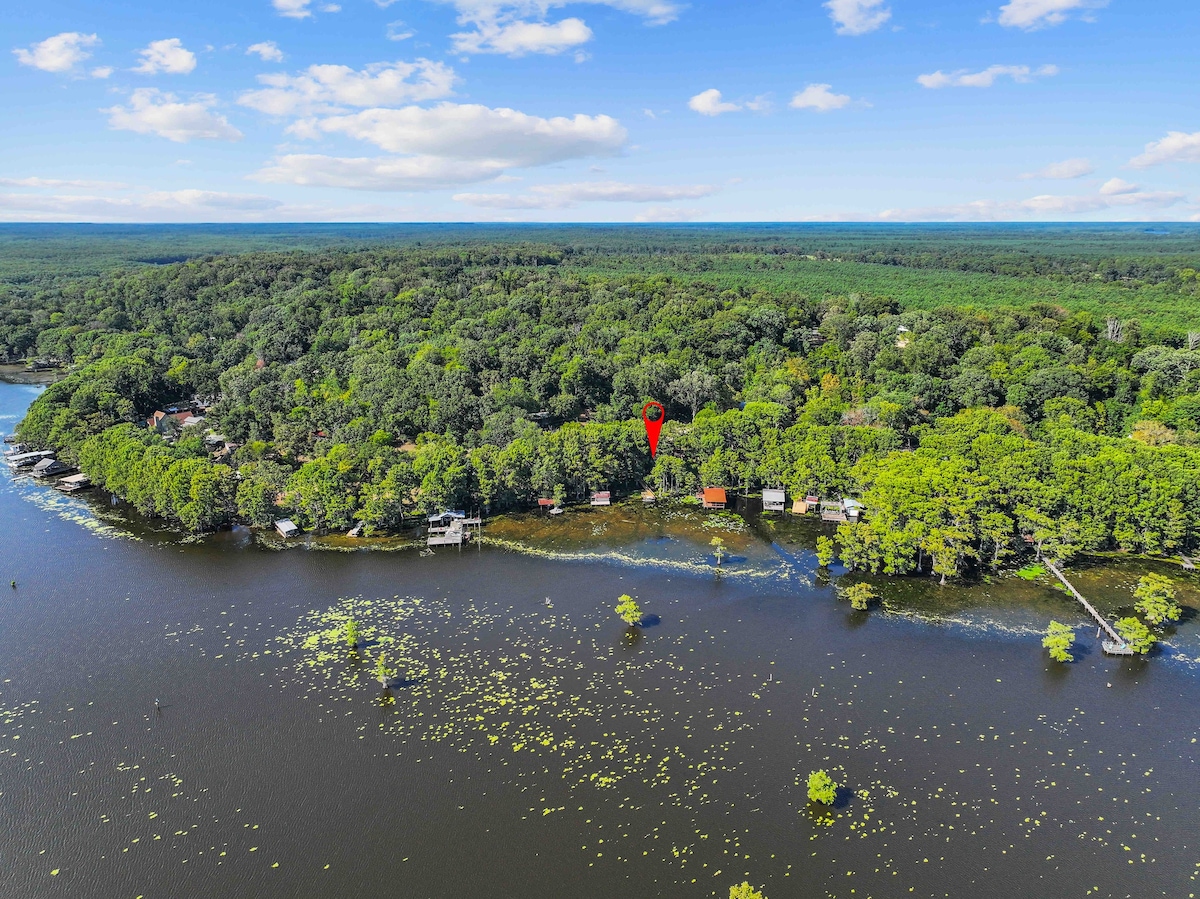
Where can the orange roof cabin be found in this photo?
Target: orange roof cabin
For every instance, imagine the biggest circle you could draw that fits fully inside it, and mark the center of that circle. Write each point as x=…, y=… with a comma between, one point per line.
x=602, y=498
x=714, y=497
x=547, y=504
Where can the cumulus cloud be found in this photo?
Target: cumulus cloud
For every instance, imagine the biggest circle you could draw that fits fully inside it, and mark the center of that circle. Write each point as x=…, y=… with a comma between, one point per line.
x=709, y=103
x=986, y=78
x=519, y=38
x=1062, y=171
x=293, y=9
x=267, y=51
x=61, y=53
x=1117, y=187
x=101, y=71
x=563, y=196
x=151, y=111
x=819, y=97
x=518, y=27
x=1034, y=14
x=167, y=56
x=1177, y=146
x=472, y=131
x=331, y=88
x=443, y=146
x=857, y=16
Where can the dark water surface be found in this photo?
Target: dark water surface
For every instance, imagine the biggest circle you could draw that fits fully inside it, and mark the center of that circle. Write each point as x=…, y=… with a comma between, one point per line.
x=529, y=750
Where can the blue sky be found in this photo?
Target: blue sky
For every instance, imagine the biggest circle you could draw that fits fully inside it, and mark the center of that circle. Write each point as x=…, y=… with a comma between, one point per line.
x=618, y=110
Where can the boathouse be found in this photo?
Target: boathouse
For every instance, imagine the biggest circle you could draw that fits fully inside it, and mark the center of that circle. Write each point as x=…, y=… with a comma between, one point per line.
x=547, y=504
x=831, y=510
x=774, y=500
x=602, y=498
x=48, y=468
x=73, y=482
x=287, y=528
x=28, y=460
x=714, y=498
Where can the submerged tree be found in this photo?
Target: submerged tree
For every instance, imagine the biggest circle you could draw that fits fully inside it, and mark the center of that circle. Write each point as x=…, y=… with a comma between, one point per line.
x=628, y=610
x=352, y=632
x=824, y=551
x=382, y=671
x=1136, y=634
x=1156, y=599
x=860, y=595
x=718, y=546
x=821, y=787
x=745, y=891
x=1058, y=640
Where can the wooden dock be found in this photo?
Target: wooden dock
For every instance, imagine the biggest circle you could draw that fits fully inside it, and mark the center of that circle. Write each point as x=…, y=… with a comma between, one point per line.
x=455, y=534
x=1117, y=645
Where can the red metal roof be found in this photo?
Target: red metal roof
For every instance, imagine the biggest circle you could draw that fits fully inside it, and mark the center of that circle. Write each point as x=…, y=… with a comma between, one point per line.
x=714, y=494
x=545, y=502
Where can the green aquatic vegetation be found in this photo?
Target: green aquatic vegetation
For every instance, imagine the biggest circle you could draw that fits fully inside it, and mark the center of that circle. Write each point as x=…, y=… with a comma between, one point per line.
x=745, y=891
x=628, y=610
x=824, y=551
x=821, y=787
x=1058, y=641
x=352, y=632
x=1156, y=599
x=1032, y=571
x=1139, y=637
x=860, y=596
x=724, y=521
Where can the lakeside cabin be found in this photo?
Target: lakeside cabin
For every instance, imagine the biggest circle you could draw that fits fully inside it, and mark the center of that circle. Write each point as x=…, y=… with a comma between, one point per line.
x=774, y=500
x=73, y=482
x=450, y=528
x=713, y=498
x=287, y=528
x=48, y=468
x=602, y=498
x=547, y=504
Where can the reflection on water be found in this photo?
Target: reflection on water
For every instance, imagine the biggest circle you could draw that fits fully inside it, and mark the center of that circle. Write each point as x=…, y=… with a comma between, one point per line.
x=183, y=718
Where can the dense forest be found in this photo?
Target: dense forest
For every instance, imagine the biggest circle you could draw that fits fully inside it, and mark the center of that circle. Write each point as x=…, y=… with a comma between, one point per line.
x=376, y=383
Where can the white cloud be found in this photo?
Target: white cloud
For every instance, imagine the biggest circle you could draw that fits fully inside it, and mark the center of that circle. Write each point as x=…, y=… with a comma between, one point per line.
x=819, y=97
x=409, y=173
x=447, y=145
x=61, y=53
x=267, y=51
x=471, y=131
x=325, y=88
x=709, y=103
x=396, y=31
x=1116, y=187
x=1033, y=14
x=563, y=196
x=518, y=38
x=293, y=9
x=857, y=16
x=1062, y=171
x=986, y=78
x=176, y=205
x=59, y=183
x=1177, y=146
x=101, y=71
x=1118, y=195
x=167, y=56
x=151, y=111
x=517, y=27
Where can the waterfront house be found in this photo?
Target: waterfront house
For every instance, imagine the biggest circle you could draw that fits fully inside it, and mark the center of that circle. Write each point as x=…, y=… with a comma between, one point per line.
x=547, y=504
x=48, y=468
x=602, y=498
x=73, y=482
x=774, y=500
x=714, y=498
x=287, y=528
x=28, y=460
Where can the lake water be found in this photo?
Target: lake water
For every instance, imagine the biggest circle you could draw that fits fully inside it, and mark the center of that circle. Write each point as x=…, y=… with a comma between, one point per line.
x=539, y=750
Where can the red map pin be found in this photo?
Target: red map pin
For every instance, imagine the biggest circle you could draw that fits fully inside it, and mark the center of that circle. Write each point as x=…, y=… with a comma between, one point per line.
x=653, y=427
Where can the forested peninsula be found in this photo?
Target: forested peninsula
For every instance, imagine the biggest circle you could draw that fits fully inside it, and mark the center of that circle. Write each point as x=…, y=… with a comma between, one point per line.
x=372, y=385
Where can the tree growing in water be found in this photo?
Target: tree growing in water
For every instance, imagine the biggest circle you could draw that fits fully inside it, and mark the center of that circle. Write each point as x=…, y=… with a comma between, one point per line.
x=860, y=595
x=824, y=551
x=628, y=610
x=353, y=632
x=745, y=891
x=821, y=787
x=382, y=671
x=1136, y=634
x=1156, y=599
x=718, y=546
x=1058, y=640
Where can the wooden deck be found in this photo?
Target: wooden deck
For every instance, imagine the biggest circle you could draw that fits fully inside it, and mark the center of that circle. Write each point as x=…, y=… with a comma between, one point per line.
x=1116, y=646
